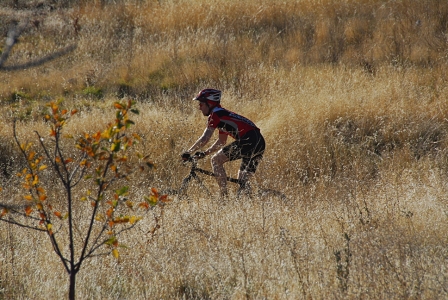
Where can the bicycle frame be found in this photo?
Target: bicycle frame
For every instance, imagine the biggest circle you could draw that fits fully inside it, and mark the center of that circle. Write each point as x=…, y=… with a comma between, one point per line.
x=244, y=186
x=193, y=175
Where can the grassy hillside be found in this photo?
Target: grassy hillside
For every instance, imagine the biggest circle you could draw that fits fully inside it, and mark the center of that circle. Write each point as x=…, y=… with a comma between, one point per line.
x=351, y=97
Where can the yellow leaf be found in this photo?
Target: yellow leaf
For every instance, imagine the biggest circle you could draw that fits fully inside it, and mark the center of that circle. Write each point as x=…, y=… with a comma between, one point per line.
x=106, y=134
x=28, y=197
x=39, y=206
x=115, y=253
x=43, y=167
x=31, y=155
x=49, y=226
x=36, y=180
x=134, y=219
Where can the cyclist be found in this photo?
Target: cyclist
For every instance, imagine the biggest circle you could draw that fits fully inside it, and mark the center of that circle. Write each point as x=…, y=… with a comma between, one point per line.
x=249, y=144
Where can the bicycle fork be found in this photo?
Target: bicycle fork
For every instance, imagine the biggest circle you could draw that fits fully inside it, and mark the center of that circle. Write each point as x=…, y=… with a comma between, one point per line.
x=186, y=181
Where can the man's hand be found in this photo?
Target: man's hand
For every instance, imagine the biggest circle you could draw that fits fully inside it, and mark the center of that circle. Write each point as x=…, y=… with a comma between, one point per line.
x=200, y=154
x=186, y=156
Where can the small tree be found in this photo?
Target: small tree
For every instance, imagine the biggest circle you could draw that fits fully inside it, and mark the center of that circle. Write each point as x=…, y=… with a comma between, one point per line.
x=92, y=173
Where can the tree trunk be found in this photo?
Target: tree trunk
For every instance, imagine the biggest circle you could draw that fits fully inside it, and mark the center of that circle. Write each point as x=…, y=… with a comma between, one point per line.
x=71, y=293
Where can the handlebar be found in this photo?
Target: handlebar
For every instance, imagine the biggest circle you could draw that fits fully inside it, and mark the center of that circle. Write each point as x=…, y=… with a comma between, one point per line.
x=186, y=157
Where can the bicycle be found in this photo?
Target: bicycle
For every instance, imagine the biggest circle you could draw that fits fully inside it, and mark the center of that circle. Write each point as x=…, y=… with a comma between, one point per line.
x=244, y=188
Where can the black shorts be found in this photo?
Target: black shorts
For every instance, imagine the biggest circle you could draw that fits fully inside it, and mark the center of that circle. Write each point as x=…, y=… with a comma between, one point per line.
x=249, y=148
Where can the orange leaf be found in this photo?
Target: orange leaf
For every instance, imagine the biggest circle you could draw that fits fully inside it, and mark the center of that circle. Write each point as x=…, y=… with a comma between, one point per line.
x=43, y=197
x=74, y=111
x=109, y=212
x=97, y=136
x=39, y=206
x=164, y=198
x=28, y=197
x=58, y=214
x=4, y=212
x=136, y=136
x=28, y=210
x=144, y=205
x=118, y=105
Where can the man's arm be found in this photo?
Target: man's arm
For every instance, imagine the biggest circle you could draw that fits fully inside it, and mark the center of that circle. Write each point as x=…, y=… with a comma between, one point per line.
x=208, y=132
x=221, y=141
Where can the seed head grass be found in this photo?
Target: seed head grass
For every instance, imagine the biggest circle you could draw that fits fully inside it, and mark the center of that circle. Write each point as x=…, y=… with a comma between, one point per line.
x=349, y=95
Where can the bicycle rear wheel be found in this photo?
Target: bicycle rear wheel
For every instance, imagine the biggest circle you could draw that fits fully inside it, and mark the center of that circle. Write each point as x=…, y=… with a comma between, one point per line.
x=259, y=192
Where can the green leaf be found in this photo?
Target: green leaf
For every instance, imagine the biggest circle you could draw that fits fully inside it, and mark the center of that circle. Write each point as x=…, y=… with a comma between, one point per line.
x=152, y=200
x=110, y=241
x=115, y=147
x=122, y=191
x=129, y=123
x=135, y=111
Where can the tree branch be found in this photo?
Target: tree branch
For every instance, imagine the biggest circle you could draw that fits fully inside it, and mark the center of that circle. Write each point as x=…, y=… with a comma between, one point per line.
x=14, y=33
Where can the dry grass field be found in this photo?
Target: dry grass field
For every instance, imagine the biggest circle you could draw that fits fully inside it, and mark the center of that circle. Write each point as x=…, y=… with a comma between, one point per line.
x=351, y=96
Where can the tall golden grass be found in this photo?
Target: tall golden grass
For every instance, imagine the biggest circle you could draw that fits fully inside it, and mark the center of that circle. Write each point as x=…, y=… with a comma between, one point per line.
x=351, y=97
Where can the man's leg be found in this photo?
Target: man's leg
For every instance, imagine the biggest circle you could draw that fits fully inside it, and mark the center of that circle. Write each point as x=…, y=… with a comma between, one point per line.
x=218, y=161
x=244, y=176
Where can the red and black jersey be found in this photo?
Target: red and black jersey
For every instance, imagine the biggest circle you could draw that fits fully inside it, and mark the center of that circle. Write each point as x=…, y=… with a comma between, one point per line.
x=230, y=123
